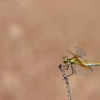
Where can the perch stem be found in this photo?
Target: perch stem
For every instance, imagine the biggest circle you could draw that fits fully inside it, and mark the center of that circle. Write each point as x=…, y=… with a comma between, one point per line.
x=66, y=81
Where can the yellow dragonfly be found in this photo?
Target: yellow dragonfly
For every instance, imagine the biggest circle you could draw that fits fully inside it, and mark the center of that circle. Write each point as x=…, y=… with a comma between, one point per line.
x=80, y=67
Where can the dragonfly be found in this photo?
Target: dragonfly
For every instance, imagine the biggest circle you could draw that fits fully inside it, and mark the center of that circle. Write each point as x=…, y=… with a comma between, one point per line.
x=78, y=66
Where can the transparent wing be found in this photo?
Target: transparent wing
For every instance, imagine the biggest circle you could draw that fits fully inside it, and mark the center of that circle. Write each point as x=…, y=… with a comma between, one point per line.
x=80, y=52
x=71, y=53
x=82, y=71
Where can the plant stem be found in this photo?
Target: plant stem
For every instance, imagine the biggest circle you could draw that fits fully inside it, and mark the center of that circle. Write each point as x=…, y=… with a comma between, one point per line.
x=66, y=81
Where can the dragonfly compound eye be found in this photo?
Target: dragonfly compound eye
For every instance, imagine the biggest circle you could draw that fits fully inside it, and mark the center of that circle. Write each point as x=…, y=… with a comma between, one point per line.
x=65, y=59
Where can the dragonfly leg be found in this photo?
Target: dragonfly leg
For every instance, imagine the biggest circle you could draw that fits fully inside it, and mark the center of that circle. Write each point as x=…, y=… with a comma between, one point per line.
x=73, y=71
x=67, y=66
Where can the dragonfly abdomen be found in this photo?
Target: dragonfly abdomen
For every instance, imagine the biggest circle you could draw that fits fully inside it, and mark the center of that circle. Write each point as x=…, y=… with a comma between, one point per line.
x=92, y=64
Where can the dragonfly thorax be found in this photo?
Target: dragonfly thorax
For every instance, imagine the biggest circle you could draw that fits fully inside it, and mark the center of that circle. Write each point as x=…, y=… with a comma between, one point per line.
x=72, y=60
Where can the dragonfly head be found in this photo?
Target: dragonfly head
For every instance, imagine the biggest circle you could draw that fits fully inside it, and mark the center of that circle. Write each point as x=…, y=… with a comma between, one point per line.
x=65, y=59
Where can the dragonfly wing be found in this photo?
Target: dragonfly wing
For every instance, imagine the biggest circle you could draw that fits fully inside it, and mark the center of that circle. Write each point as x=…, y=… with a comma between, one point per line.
x=71, y=52
x=80, y=52
x=82, y=71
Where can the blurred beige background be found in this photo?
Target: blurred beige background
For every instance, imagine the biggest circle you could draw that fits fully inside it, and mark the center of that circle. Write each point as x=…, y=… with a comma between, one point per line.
x=35, y=35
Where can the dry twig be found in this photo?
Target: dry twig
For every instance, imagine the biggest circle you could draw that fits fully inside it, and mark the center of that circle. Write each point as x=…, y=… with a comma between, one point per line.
x=66, y=81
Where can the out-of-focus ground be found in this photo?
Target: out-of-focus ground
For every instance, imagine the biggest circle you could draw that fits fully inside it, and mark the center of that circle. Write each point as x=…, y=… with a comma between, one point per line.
x=35, y=35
